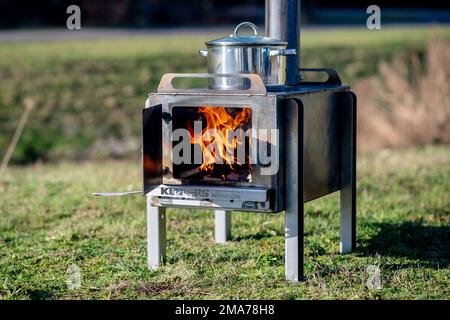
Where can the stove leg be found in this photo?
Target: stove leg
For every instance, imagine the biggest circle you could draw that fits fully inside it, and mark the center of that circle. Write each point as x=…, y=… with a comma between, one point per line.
x=294, y=251
x=222, y=226
x=348, y=177
x=346, y=232
x=156, y=236
x=294, y=225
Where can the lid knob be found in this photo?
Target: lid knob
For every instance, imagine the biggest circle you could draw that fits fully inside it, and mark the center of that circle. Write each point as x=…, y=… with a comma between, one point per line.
x=245, y=24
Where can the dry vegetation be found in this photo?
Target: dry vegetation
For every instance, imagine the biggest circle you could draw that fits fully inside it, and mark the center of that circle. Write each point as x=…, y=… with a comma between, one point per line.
x=408, y=102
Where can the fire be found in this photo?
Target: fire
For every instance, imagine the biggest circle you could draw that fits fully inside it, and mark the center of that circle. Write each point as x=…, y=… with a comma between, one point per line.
x=218, y=139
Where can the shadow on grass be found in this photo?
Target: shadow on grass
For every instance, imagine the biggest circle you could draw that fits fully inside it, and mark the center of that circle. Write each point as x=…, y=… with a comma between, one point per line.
x=429, y=244
x=255, y=236
x=40, y=294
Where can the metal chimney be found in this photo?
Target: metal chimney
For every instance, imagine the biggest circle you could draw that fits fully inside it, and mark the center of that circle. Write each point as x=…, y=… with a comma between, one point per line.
x=283, y=23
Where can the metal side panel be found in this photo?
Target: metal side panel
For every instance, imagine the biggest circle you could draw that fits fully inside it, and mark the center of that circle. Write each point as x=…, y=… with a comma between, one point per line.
x=294, y=219
x=348, y=172
x=152, y=147
x=321, y=150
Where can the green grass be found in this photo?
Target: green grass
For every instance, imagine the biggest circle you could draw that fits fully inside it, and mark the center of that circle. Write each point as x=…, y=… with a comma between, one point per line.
x=88, y=94
x=49, y=220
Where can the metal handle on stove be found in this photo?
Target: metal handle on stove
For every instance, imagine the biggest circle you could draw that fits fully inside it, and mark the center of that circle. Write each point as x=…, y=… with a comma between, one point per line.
x=116, y=194
x=333, y=77
x=256, y=85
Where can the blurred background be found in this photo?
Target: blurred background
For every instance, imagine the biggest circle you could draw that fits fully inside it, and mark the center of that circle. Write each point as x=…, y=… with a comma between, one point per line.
x=161, y=13
x=86, y=87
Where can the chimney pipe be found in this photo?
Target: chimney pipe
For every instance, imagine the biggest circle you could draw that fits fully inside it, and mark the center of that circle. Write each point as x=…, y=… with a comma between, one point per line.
x=283, y=23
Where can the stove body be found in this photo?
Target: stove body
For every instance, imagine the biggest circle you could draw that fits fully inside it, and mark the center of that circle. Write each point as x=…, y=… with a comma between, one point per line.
x=312, y=130
x=173, y=188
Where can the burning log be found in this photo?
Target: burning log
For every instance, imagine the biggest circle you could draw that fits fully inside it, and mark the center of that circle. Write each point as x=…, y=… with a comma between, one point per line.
x=189, y=173
x=211, y=179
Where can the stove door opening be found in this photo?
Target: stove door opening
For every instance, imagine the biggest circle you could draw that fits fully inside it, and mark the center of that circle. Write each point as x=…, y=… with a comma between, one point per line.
x=211, y=144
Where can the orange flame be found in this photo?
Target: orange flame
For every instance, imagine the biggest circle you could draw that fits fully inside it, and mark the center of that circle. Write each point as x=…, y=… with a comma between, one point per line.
x=218, y=140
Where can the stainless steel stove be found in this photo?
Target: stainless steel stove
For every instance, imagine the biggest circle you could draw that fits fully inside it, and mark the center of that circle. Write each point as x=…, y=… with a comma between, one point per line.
x=256, y=138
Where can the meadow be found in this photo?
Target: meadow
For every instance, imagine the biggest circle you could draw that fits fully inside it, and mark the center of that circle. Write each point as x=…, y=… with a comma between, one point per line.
x=50, y=220
x=83, y=137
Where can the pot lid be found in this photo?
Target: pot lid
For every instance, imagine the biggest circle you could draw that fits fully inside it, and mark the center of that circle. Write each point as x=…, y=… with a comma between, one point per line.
x=246, y=40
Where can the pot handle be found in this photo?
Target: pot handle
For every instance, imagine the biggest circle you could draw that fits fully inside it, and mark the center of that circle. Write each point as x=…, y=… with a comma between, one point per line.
x=203, y=52
x=246, y=24
x=282, y=52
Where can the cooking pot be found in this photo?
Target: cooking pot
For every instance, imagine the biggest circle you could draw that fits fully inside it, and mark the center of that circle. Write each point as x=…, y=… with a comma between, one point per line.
x=246, y=54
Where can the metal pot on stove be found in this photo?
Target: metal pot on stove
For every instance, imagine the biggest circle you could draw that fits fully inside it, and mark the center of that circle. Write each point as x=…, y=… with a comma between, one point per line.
x=246, y=54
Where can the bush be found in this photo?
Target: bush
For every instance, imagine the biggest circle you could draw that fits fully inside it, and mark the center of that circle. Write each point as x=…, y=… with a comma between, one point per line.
x=408, y=102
